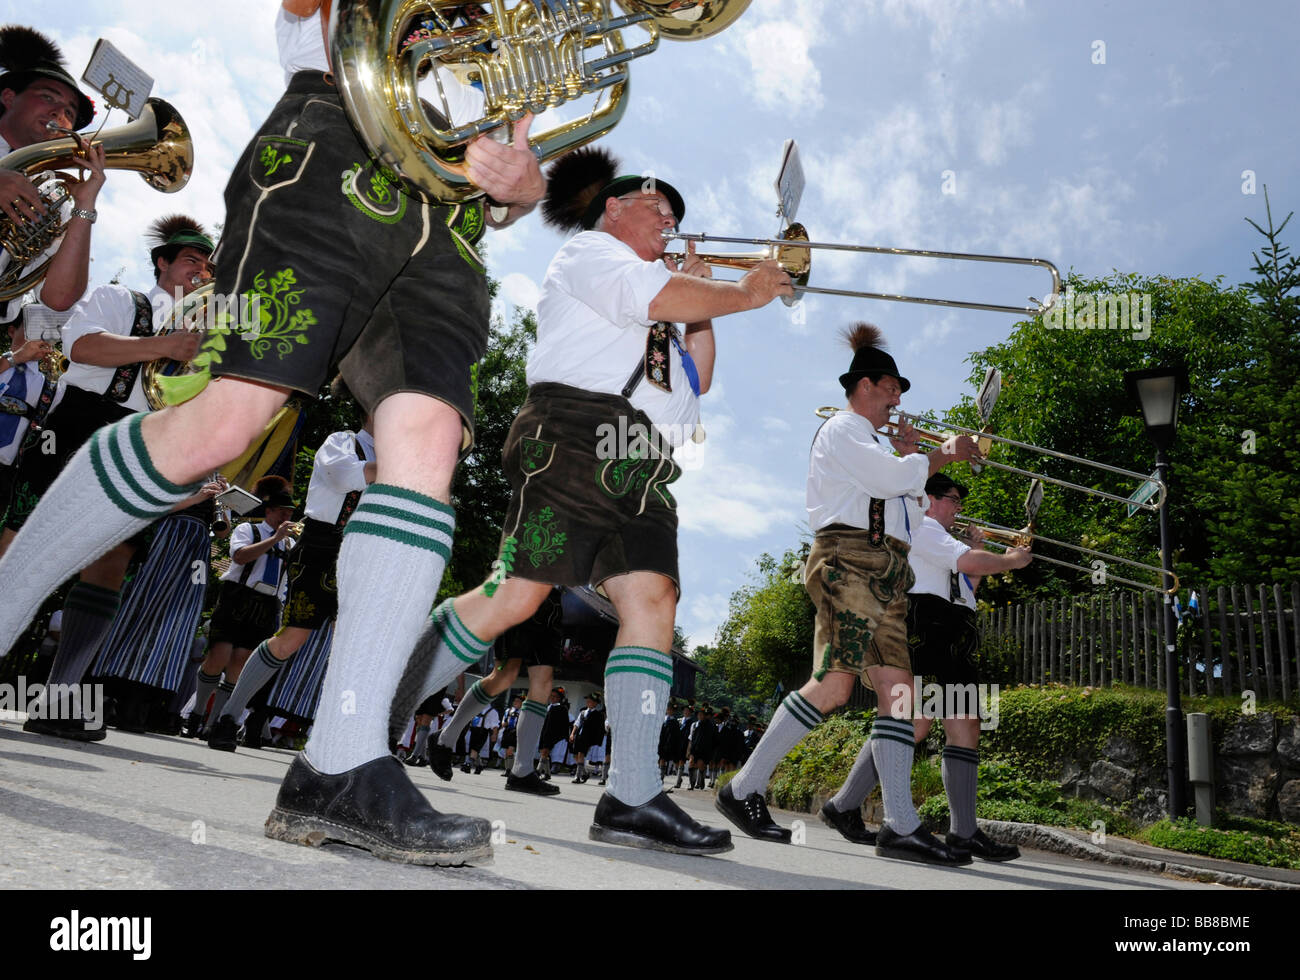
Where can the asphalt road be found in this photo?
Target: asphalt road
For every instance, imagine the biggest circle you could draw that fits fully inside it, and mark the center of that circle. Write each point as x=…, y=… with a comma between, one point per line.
x=154, y=812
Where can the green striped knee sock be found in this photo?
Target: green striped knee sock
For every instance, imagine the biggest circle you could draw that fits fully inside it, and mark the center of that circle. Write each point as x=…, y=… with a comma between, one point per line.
x=793, y=719
x=531, y=717
x=892, y=743
x=445, y=650
x=637, y=682
x=474, y=701
x=395, y=547
x=107, y=492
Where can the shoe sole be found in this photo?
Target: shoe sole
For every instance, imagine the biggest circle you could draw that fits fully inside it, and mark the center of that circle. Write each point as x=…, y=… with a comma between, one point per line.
x=906, y=854
x=784, y=838
x=608, y=835
x=223, y=746
x=70, y=735
x=541, y=791
x=311, y=830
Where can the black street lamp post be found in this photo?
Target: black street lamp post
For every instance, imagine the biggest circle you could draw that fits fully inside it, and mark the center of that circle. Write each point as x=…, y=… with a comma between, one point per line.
x=1158, y=392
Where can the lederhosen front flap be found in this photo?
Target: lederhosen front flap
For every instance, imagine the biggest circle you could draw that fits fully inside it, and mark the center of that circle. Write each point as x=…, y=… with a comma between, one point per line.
x=124, y=377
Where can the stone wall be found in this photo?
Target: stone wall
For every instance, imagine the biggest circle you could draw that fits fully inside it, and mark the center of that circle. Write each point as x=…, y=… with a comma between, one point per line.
x=1256, y=772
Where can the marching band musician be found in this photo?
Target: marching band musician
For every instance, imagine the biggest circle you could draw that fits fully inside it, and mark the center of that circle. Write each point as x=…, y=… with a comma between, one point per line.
x=109, y=336
x=584, y=514
x=21, y=386
x=943, y=640
x=37, y=99
x=864, y=505
x=387, y=285
x=248, y=600
x=344, y=466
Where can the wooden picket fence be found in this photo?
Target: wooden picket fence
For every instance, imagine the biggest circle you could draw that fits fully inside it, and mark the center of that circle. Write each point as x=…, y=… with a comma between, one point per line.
x=1244, y=638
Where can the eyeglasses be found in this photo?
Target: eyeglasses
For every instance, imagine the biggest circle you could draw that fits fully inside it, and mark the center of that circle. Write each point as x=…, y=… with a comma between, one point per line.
x=955, y=498
x=658, y=203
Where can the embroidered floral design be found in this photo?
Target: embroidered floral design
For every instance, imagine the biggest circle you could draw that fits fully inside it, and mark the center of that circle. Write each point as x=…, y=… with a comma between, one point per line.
x=465, y=222
x=542, y=542
x=854, y=635
x=278, y=321
x=272, y=161
x=375, y=195
x=535, y=454
x=503, y=566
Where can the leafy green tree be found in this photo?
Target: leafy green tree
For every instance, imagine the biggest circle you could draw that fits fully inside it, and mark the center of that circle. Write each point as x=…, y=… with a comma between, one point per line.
x=713, y=687
x=767, y=637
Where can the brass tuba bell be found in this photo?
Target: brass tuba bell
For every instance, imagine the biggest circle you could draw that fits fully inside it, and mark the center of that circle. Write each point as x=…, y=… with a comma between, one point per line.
x=527, y=58
x=157, y=145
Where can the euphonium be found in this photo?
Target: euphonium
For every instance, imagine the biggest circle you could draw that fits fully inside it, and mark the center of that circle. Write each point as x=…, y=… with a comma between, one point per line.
x=528, y=58
x=157, y=145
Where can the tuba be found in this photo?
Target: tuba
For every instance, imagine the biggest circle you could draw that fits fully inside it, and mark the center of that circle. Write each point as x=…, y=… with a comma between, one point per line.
x=529, y=58
x=157, y=145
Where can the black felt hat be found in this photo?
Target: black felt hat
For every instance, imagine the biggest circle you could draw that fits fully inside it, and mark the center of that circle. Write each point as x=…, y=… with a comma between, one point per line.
x=27, y=55
x=869, y=357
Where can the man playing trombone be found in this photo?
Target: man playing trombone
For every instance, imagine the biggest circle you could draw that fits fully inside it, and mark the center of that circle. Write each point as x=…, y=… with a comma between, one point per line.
x=864, y=505
x=943, y=640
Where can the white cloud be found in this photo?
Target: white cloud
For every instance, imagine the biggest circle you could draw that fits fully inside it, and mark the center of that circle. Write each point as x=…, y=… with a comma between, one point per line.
x=520, y=290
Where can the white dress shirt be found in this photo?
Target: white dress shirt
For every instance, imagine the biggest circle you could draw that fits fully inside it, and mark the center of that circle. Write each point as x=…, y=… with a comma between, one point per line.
x=850, y=465
x=337, y=472
x=20, y=383
x=593, y=317
x=934, y=556
x=109, y=309
x=268, y=571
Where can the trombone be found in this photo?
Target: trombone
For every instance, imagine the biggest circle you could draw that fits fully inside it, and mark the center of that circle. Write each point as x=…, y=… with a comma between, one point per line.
x=1009, y=537
x=792, y=251
x=890, y=431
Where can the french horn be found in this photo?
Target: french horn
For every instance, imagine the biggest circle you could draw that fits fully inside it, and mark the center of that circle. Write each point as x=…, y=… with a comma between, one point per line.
x=526, y=58
x=156, y=145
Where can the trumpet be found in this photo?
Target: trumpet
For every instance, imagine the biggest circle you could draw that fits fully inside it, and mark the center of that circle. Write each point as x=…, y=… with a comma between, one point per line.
x=793, y=252
x=891, y=429
x=1009, y=537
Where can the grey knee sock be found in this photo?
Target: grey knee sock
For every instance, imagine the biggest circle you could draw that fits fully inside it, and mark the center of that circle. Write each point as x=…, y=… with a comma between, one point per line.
x=637, y=682
x=531, y=717
x=861, y=781
x=960, y=772
x=892, y=746
x=224, y=690
x=87, y=617
x=474, y=702
x=111, y=489
x=443, y=651
x=794, y=719
x=421, y=742
x=262, y=666
x=203, y=690
x=395, y=547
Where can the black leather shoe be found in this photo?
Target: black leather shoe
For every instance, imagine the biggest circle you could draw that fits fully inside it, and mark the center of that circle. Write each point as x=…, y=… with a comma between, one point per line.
x=415, y=761
x=920, y=845
x=224, y=735
x=375, y=807
x=982, y=846
x=252, y=737
x=658, y=825
x=440, y=761
x=750, y=815
x=73, y=729
x=193, y=725
x=531, y=783
x=849, y=825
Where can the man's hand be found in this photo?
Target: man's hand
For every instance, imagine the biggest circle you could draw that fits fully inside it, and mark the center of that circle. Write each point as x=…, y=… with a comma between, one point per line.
x=906, y=442
x=509, y=174
x=961, y=448
x=33, y=350
x=18, y=197
x=92, y=177
x=690, y=265
x=182, y=345
x=210, y=490
x=765, y=282
x=1018, y=557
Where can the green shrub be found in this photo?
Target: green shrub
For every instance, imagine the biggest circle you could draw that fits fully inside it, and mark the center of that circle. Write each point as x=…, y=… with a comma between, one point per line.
x=1239, y=839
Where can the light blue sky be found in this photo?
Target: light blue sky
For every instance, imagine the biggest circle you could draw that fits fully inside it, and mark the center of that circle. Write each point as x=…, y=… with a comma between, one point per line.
x=1134, y=162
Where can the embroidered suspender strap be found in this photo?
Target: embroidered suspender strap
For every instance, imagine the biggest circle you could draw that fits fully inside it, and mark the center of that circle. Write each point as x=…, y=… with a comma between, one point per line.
x=954, y=587
x=654, y=364
x=124, y=377
x=351, y=499
x=37, y=415
x=877, y=529
x=248, y=566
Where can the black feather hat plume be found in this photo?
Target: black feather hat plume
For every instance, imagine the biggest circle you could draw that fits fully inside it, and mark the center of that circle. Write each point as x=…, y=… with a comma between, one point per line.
x=176, y=231
x=27, y=54
x=862, y=335
x=572, y=184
